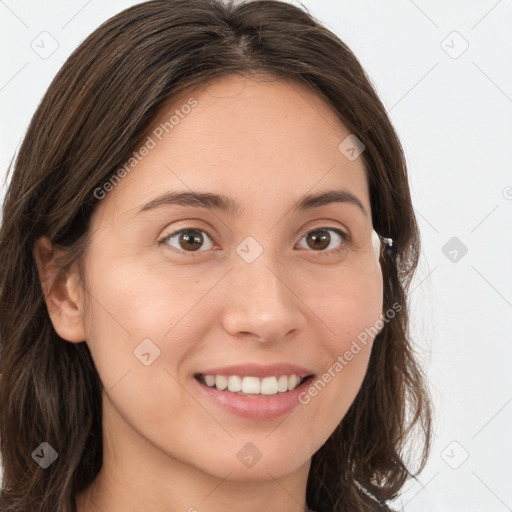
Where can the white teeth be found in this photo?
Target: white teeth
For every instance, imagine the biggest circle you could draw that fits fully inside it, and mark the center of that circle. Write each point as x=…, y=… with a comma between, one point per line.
x=282, y=384
x=234, y=383
x=292, y=382
x=210, y=380
x=269, y=386
x=220, y=382
x=253, y=385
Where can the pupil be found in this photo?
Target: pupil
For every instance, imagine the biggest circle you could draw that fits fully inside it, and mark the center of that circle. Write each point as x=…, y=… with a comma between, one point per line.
x=190, y=239
x=320, y=239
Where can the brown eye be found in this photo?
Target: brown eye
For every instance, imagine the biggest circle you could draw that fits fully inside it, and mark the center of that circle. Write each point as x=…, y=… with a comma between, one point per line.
x=321, y=239
x=189, y=240
x=318, y=240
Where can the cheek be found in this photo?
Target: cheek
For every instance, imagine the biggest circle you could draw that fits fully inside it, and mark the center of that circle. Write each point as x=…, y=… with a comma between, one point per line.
x=351, y=310
x=138, y=299
x=131, y=313
x=138, y=340
x=348, y=306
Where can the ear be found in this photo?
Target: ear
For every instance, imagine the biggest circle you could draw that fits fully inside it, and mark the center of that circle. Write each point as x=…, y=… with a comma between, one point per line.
x=61, y=292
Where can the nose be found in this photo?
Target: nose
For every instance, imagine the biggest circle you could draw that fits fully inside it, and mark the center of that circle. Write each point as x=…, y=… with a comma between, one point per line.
x=262, y=304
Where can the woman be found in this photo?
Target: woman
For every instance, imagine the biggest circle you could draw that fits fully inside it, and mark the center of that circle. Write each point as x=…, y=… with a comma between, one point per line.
x=205, y=251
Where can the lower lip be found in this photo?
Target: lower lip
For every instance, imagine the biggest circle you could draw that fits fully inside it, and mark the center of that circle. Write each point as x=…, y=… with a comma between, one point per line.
x=258, y=407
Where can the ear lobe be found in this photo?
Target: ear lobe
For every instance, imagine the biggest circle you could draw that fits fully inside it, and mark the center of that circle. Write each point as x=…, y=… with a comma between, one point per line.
x=60, y=292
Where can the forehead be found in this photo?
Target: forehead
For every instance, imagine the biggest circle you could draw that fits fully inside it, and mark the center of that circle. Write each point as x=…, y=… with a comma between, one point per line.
x=261, y=142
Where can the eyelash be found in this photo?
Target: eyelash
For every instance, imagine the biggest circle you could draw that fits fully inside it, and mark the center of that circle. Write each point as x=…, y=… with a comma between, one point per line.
x=342, y=234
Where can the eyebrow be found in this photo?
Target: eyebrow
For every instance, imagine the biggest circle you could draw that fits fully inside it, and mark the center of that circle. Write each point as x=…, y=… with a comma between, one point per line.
x=227, y=204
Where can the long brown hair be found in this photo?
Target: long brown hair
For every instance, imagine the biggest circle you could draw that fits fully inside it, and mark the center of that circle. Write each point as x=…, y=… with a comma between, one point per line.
x=96, y=111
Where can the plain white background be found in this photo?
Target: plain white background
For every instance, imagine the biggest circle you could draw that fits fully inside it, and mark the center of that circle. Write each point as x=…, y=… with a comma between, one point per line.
x=443, y=72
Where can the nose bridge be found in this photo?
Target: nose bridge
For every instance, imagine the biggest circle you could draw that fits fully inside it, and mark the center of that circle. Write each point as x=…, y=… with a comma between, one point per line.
x=256, y=272
x=264, y=277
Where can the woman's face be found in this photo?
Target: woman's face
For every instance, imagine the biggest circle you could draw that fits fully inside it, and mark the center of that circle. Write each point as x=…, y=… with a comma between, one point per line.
x=249, y=286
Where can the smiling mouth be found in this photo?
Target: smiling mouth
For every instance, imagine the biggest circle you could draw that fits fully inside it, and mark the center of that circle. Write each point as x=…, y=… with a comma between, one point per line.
x=252, y=386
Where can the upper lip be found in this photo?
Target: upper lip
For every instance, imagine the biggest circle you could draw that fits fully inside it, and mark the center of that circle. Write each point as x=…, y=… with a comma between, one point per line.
x=260, y=371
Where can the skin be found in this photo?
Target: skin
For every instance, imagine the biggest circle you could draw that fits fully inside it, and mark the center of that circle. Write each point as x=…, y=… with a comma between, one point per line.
x=166, y=445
